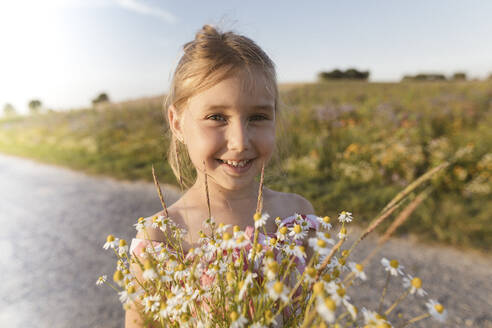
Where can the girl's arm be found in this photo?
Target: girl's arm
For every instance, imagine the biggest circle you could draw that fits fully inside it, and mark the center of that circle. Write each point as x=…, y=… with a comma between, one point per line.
x=132, y=316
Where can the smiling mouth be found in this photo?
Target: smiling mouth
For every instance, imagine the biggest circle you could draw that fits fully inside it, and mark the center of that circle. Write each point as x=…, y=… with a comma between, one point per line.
x=236, y=164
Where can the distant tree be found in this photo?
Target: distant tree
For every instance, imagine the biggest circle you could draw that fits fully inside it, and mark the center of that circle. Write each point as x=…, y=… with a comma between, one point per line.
x=9, y=110
x=35, y=106
x=424, y=77
x=349, y=74
x=459, y=76
x=101, y=98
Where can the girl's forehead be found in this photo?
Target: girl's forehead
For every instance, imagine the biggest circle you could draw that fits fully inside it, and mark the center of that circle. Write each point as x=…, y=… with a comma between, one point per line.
x=251, y=88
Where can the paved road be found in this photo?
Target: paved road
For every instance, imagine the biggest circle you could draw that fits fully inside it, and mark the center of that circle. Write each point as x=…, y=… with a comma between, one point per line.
x=54, y=222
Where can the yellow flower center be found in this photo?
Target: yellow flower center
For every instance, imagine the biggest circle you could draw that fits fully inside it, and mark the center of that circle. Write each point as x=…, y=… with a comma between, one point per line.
x=330, y=304
x=257, y=216
x=345, y=253
x=180, y=267
x=118, y=276
x=321, y=243
x=278, y=287
x=141, y=220
x=343, y=231
x=341, y=261
x=234, y=316
x=417, y=282
x=268, y=315
x=202, y=235
x=326, y=277
x=110, y=238
x=439, y=308
x=297, y=228
x=326, y=219
x=130, y=289
x=221, y=225
x=229, y=277
x=359, y=267
x=226, y=236
x=383, y=325
x=122, y=242
x=259, y=247
x=341, y=292
x=302, y=249
x=283, y=230
x=318, y=288
x=154, y=219
x=327, y=235
x=185, y=317
x=273, y=241
x=394, y=264
x=273, y=266
x=311, y=271
x=147, y=264
x=240, y=239
x=236, y=228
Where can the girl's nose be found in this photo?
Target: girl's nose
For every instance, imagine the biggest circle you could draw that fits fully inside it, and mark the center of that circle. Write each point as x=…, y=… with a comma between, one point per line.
x=238, y=137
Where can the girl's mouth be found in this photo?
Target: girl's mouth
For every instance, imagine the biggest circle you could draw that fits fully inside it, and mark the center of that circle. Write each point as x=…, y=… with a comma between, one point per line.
x=236, y=167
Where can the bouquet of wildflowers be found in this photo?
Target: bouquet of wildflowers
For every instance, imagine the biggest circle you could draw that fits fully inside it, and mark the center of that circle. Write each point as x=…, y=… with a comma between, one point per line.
x=250, y=278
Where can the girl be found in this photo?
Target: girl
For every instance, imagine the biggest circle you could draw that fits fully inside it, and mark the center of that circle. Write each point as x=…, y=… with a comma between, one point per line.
x=222, y=111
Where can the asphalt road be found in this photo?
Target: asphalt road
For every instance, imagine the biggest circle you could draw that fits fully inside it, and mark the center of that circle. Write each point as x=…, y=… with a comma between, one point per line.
x=54, y=222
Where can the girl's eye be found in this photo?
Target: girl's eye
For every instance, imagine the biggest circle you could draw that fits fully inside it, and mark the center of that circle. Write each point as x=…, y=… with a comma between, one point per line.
x=258, y=117
x=215, y=117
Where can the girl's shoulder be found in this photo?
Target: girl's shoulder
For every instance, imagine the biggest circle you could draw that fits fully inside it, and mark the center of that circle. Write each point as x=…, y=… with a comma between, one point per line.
x=286, y=204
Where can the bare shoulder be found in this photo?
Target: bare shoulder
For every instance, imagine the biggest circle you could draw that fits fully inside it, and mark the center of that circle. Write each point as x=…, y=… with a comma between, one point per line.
x=290, y=203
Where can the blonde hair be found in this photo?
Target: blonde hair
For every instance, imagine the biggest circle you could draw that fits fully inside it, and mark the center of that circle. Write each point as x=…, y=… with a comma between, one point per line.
x=207, y=60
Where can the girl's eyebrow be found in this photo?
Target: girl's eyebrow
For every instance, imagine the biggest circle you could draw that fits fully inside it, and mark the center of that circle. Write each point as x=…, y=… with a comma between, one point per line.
x=221, y=107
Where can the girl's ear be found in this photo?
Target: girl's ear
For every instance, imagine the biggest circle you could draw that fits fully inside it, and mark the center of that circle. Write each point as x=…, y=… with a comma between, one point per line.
x=175, y=122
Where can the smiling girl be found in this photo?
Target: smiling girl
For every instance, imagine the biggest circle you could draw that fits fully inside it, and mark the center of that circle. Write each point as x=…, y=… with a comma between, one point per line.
x=222, y=111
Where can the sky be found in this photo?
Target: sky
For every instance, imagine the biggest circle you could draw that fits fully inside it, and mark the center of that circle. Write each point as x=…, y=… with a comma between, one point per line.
x=66, y=52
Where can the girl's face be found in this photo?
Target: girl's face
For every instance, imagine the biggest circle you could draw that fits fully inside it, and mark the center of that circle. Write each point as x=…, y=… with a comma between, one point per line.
x=231, y=128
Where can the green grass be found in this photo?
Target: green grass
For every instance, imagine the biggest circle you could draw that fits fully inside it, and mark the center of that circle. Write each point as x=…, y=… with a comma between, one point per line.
x=350, y=146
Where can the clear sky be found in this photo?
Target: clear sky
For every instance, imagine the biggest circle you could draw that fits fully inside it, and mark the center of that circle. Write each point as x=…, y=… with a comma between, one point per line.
x=66, y=52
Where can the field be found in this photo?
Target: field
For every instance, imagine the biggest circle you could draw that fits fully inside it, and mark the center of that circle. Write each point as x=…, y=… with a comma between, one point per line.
x=343, y=145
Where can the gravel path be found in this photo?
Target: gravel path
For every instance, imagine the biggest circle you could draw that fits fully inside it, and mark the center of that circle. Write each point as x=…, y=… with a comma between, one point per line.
x=55, y=221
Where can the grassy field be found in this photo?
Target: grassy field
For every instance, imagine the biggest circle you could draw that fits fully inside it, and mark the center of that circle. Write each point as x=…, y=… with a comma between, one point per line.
x=344, y=145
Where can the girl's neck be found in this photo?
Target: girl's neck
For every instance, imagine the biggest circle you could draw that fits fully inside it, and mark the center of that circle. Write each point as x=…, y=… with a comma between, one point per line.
x=219, y=195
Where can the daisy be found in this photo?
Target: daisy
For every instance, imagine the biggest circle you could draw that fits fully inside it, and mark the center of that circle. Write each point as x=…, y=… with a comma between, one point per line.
x=392, y=266
x=282, y=233
x=152, y=303
x=342, y=234
x=340, y=295
x=223, y=228
x=149, y=272
x=130, y=294
x=272, y=242
x=345, y=217
x=245, y=283
x=142, y=223
x=319, y=245
x=101, y=280
x=437, y=311
x=373, y=319
x=326, y=309
x=278, y=220
x=310, y=275
x=296, y=250
x=358, y=270
x=123, y=247
x=237, y=321
x=325, y=222
x=277, y=290
x=415, y=285
x=260, y=220
x=297, y=232
x=227, y=241
x=111, y=241
x=271, y=269
x=157, y=221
